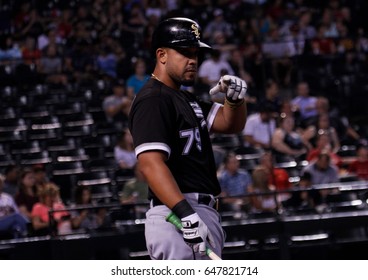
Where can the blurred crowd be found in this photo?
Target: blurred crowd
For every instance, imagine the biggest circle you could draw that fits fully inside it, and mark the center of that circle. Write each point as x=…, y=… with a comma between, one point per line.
x=305, y=62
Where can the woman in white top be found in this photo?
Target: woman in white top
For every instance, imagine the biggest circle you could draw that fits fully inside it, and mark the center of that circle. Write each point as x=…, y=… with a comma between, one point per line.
x=124, y=151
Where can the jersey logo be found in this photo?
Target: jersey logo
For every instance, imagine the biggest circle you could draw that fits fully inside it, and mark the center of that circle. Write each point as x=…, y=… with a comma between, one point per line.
x=199, y=113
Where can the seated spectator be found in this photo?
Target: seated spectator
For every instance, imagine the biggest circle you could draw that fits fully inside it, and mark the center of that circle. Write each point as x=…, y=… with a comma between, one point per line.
x=322, y=126
x=106, y=62
x=272, y=96
x=26, y=197
x=40, y=176
x=211, y=70
x=259, y=128
x=360, y=165
x=278, y=177
x=117, y=105
x=89, y=218
x=11, y=178
x=323, y=145
x=136, y=81
x=287, y=142
x=301, y=197
x=323, y=171
x=136, y=189
x=234, y=181
x=124, y=151
x=12, y=222
x=49, y=199
x=303, y=102
x=51, y=67
x=261, y=201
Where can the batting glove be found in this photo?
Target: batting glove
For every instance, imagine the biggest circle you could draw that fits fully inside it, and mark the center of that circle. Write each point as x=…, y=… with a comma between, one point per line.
x=234, y=88
x=196, y=233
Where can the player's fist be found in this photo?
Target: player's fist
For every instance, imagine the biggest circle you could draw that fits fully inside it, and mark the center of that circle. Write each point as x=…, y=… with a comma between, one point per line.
x=234, y=88
x=195, y=233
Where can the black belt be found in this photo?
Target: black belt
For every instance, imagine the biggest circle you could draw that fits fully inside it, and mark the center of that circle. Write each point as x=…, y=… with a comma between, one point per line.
x=202, y=199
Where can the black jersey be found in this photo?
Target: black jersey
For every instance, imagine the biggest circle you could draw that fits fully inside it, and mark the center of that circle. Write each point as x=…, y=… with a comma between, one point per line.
x=178, y=124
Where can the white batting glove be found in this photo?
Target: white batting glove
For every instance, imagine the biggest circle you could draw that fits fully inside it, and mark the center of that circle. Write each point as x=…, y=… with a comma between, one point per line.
x=195, y=233
x=234, y=87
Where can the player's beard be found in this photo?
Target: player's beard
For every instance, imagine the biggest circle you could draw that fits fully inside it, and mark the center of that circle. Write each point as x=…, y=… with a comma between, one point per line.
x=188, y=79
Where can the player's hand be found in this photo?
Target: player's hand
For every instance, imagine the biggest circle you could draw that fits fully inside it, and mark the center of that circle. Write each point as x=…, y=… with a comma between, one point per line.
x=234, y=87
x=196, y=233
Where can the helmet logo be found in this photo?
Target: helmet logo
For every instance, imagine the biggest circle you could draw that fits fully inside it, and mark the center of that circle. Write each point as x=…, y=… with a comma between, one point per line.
x=196, y=31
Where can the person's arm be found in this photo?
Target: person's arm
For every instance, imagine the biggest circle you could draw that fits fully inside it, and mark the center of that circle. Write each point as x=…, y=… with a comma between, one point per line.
x=231, y=117
x=159, y=178
x=38, y=224
x=279, y=144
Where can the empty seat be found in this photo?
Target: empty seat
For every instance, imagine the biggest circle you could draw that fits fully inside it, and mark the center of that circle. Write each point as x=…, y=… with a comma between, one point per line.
x=77, y=131
x=45, y=122
x=63, y=144
x=35, y=158
x=102, y=165
x=77, y=154
x=27, y=147
x=35, y=111
x=17, y=124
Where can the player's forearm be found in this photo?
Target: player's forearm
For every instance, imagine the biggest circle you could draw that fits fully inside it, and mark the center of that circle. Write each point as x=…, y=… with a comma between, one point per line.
x=230, y=120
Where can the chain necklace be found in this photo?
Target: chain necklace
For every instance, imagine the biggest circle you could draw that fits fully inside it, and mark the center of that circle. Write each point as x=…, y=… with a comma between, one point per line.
x=155, y=77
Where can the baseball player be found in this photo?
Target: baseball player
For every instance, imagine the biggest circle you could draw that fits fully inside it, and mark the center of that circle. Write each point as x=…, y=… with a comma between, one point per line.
x=171, y=132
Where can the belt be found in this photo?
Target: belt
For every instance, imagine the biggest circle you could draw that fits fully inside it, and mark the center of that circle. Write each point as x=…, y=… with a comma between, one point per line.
x=204, y=199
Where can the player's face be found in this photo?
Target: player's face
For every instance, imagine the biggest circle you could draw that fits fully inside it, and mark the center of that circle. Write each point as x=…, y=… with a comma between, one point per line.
x=182, y=65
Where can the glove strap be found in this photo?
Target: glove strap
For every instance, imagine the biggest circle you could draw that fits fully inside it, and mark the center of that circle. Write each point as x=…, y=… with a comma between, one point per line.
x=233, y=104
x=183, y=209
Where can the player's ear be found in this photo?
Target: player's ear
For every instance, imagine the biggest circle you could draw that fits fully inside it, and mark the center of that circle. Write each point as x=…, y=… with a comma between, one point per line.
x=161, y=54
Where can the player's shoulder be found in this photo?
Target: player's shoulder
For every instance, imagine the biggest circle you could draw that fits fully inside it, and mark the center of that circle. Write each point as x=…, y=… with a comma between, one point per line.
x=152, y=89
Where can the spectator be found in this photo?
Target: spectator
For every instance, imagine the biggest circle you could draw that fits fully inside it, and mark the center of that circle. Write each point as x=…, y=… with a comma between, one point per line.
x=51, y=66
x=89, y=218
x=234, y=181
x=323, y=145
x=278, y=177
x=360, y=165
x=259, y=128
x=117, y=104
x=262, y=200
x=287, y=143
x=272, y=96
x=41, y=178
x=322, y=170
x=106, y=62
x=27, y=195
x=124, y=151
x=303, y=102
x=135, y=190
x=211, y=70
x=322, y=127
x=49, y=199
x=136, y=81
x=12, y=223
x=302, y=196
x=217, y=24
x=11, y=173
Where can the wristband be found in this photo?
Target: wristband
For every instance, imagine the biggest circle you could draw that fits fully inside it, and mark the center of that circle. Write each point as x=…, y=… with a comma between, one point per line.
x=234, y=104
x=183, y=209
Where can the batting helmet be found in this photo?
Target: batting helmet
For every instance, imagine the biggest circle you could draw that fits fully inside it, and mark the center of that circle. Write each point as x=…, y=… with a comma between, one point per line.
x=177, y=33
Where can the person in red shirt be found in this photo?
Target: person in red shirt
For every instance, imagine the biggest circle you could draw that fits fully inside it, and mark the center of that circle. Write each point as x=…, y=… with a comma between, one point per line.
x=324, y=145
x=278, y=176
x=360, y=165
